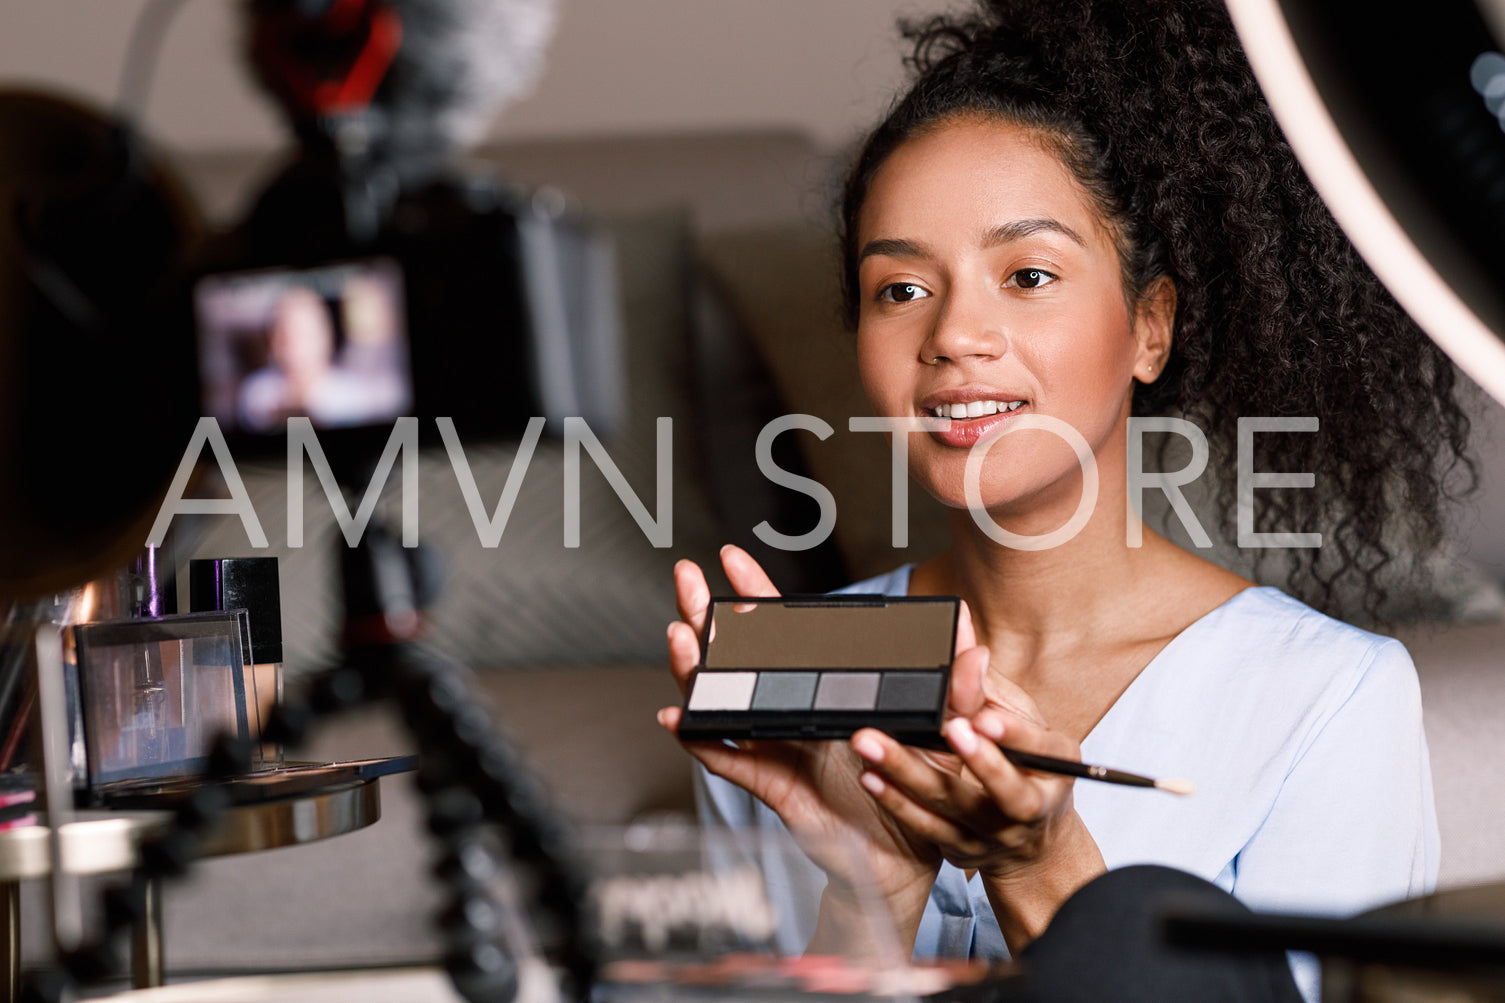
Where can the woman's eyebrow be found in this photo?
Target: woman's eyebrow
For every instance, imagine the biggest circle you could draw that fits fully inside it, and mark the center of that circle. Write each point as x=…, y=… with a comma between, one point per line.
x=894, y=247
x=1005, y=233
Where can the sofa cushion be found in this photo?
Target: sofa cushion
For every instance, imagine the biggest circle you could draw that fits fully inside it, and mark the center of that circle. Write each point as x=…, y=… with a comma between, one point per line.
x=1462, y=691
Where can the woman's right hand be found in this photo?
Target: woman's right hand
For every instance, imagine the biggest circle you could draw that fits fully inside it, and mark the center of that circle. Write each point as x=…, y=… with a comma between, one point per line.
x=813, y=786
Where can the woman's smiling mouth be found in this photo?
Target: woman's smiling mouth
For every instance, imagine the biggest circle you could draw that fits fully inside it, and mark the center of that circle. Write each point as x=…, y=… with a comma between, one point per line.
x=973, y=409
x=972, y=419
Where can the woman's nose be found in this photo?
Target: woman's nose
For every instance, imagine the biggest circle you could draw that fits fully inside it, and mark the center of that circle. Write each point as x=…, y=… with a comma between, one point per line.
x=966, y=326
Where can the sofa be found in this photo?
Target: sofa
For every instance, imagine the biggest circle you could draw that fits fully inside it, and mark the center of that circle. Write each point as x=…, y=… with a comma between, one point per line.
x=726, y=274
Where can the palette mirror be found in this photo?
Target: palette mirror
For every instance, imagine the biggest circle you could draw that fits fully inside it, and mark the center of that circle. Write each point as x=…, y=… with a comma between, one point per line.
x=823, y=667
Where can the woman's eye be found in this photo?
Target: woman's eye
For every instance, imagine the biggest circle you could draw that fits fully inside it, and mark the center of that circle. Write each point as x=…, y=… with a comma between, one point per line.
x=1031, y=278
x=901, y=292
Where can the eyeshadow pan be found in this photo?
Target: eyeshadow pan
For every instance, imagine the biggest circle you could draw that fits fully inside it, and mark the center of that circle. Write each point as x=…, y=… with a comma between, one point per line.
x=722, y=691
x=784, y=691
x=847, y=691
x=910, y=691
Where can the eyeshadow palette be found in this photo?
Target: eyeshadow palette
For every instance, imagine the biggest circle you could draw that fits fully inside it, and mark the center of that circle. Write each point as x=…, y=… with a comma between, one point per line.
x=822, y=667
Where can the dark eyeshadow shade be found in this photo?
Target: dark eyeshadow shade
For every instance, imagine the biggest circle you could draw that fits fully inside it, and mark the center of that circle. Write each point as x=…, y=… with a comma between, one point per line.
x=910, y=690
x=847, y=691
x=784, y=691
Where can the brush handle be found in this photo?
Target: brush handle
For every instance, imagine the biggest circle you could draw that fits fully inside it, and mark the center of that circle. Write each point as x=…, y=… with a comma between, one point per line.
x=1072, y=768
x=1047, y=764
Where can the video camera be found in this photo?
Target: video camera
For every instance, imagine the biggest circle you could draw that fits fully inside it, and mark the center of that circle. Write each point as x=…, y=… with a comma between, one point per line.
x=468, y=299
x=371, y=278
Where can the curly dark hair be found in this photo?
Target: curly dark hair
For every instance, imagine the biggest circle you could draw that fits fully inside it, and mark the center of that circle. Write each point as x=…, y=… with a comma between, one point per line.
x=1153, y=106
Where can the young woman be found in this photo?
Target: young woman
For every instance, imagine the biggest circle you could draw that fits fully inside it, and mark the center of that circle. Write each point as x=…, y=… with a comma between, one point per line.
x=1081, y=212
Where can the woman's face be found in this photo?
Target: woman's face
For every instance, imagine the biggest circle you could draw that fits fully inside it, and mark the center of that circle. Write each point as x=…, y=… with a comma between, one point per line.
x=987, y=281
x=302, y=340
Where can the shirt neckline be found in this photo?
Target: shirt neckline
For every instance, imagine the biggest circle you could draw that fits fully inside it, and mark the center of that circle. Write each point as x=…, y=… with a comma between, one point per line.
x=1195, y=627
x=1160, y=656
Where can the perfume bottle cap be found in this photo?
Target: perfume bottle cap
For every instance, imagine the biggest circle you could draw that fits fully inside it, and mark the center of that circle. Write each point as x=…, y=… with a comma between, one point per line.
x=248, y=583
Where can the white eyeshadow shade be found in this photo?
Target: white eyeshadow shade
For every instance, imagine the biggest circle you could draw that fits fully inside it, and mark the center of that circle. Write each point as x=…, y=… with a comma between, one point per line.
x=847, y=691
x=722, y=691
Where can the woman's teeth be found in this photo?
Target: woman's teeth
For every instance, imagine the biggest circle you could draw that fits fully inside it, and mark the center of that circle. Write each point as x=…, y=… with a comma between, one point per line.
x=975, y=409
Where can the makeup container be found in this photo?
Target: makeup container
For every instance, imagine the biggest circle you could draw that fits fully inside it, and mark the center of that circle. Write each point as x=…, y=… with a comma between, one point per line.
x=154, y=694
x=823, y=667
x=249, y=583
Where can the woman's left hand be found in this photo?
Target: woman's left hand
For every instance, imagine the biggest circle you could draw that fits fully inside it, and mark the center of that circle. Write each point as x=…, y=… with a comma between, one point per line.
x=983, y=812
x=1016, y=827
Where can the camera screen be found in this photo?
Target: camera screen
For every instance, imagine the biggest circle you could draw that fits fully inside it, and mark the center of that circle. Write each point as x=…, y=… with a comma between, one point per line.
x=329, y=344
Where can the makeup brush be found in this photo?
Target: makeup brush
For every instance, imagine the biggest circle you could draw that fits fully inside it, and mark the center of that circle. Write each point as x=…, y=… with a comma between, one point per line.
x=1064, y=767
x=1071, y=768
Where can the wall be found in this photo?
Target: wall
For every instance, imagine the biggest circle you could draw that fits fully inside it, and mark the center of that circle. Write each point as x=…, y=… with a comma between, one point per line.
x=824, y=66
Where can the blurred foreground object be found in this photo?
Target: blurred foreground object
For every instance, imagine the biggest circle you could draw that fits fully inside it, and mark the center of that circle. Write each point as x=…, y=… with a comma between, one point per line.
x=96, y=388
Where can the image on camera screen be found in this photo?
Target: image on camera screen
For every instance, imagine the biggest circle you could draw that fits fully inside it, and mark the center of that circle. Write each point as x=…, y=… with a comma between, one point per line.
x=329, y=344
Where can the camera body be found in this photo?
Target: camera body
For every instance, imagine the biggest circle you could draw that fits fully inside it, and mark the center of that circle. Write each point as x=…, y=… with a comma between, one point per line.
x=372, y=279
x=432, y=292
x=353, y=299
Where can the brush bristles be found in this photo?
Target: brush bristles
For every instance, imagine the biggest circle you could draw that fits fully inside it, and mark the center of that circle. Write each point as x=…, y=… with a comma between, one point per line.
x=1182, y=787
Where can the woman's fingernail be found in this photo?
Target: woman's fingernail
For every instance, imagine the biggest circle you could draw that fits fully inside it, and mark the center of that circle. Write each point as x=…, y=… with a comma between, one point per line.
x=663, y=711
x=959, y=730
x=991, y=725
x=869, y=748
x=871, y=782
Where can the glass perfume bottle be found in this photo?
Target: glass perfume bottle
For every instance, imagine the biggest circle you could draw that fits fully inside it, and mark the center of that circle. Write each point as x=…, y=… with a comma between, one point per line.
x=249, y=583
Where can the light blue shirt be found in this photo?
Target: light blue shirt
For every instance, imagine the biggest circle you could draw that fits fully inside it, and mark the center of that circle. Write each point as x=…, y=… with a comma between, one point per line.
x=1304, y=738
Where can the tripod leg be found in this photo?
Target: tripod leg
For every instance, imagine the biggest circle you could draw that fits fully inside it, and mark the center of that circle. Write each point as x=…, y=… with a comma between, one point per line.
x=10, y=935
x=146, y=941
